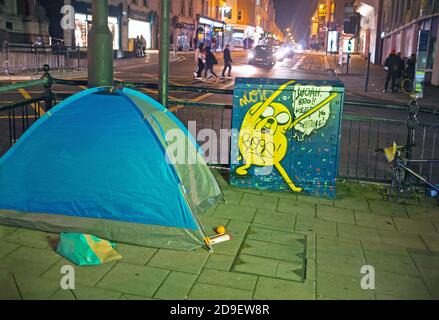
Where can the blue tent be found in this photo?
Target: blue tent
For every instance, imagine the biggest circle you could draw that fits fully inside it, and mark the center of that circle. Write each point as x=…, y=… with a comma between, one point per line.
x=100, y=162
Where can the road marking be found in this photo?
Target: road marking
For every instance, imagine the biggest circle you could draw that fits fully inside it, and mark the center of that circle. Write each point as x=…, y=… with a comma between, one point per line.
x=326, y=63
x=298, y=62
x=204, y=96
x=27, y=96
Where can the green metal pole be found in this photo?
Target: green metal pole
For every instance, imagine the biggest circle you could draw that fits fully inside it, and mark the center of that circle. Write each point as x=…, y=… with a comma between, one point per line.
x=164, y=53
x=100, y=47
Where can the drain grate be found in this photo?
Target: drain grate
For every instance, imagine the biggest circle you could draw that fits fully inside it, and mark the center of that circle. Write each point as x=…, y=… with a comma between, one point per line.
x=273, y=253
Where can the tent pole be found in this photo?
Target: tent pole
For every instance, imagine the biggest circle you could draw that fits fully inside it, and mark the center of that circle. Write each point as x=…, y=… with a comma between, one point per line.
x=164, y=53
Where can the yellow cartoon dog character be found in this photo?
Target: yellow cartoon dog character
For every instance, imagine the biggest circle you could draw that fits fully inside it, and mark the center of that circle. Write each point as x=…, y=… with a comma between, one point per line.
x=262, y=139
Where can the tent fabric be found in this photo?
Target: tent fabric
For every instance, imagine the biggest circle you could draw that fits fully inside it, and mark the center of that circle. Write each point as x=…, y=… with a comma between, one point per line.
x=101, y=154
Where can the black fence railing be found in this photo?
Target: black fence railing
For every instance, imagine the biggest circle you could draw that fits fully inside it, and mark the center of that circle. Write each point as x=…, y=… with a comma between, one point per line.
x=361, y=135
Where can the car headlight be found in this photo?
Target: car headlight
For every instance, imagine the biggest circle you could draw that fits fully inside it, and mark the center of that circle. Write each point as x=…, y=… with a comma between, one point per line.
x=251, y=55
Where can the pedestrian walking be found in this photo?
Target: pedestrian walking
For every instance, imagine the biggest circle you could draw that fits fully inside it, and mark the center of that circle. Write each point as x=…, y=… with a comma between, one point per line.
x=227, y=62
x=200, y=60
x=392, y=67
x=210, y=62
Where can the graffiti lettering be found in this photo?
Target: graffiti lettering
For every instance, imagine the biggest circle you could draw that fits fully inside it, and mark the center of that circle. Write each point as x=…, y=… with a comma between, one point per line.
x=254, y=96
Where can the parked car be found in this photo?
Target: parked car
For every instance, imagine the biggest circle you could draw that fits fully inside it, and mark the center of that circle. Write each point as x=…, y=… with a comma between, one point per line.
x=262, y=55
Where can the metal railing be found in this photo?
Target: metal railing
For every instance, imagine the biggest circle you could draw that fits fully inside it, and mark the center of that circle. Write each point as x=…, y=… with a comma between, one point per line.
x=361, y=135
x=16, y=58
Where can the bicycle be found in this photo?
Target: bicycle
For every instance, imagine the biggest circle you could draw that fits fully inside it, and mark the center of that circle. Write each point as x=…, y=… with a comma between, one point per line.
x=400, y=168
x=401, y=164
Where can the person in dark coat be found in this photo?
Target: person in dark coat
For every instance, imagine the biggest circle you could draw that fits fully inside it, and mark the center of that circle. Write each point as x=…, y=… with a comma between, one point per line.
x=210, y=62
x=401, y=70
x=392, y=67
x=227, y=62
x=411, y=67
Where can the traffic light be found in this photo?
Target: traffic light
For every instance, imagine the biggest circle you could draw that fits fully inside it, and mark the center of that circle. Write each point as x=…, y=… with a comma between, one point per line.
x=350, y=46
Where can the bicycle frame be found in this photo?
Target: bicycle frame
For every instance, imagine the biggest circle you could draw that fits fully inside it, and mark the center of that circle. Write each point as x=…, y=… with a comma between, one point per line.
x=401, y=163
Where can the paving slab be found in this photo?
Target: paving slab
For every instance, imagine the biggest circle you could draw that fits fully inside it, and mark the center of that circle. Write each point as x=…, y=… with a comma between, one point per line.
x=348, y=231
x=296, y=207
x=259, y=201
x=228, y=279
x=422, y=213
x=86, y=275
x=318, y=226
x=63, y=295
x=347, y=265
x=135, y=254
x=396, y=264
x=388, y=208
x=275, y=220
x=5, y=230
x=190, y=262
x=278, y=289
x=32, y=238
x=425, y=259
x=341, y=287
x=133, y=279
x=413, y=226
x=32, y=261
x=335, y=214
x=218, y=261
x=232, y=197
x=393, y=250
x=375, y=221
x=35, y=288
x=352, y=203
x=7, y=247
x=203, y=291
x=315, y=200
x=407, y=240
x=176, y=286
x=431, y=280
x=338, y=247
x=9, y=290
x=397, y=285
x=431, y=240
x=234, y=212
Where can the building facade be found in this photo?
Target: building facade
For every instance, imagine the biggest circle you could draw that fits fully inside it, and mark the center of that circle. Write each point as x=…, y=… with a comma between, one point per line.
x=246, y=22
x=402, y=22
x=127, y=20
x=23, y=22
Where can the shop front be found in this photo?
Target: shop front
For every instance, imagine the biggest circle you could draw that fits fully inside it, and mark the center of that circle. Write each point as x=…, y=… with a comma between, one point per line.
x=211, y=32
x=184, y=35
x=83, y=24
x=140, y=25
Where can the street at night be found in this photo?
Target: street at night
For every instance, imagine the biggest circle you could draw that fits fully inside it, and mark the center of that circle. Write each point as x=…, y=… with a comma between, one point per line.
x=133, y=168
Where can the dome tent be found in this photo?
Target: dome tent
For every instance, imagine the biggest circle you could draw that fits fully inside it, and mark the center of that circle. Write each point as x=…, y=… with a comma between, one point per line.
x=97, y=163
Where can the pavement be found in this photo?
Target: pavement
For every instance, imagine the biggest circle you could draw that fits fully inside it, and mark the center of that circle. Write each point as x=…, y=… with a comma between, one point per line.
x=152, y=58
x=283, y=246
x=355, y=83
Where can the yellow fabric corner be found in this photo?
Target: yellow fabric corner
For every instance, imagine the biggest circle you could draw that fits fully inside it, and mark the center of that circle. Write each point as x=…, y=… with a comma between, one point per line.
x=102, y=249
x=390, y=152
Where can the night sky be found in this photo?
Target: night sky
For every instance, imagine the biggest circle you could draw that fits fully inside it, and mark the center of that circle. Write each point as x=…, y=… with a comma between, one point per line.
x=296, y=14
